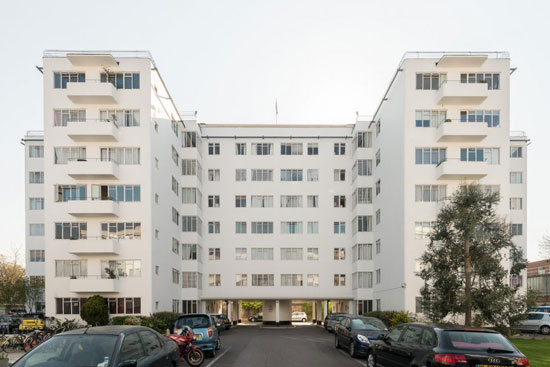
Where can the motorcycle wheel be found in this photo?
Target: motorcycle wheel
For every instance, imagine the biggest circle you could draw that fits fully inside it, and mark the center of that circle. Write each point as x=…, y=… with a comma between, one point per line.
x=194, y=357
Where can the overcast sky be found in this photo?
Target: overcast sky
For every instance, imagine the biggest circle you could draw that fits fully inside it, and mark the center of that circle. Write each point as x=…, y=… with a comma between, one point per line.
x=322, y=60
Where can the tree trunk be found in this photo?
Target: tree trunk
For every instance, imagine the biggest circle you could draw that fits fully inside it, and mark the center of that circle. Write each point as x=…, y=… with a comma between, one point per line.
x=467, y=284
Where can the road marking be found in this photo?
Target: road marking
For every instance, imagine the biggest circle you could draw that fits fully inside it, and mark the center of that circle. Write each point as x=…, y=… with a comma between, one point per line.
x=353, y=359
x=218, y=357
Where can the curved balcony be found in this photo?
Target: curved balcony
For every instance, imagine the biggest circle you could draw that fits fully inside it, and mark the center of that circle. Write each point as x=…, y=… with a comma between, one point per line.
x=93, y=284
x=94, y=245
x=455, y=169
x=456, y=131
x=92, y=130
x=455, y=92
x=92, y=168
x=92, y=91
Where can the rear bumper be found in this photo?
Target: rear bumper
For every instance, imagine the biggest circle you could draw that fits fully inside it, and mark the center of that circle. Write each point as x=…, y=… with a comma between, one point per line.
x=205, y=345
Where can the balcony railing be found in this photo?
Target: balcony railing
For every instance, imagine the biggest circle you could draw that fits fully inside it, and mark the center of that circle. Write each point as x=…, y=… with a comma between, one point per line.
x=93, y=284
x=455, y=169
x=456, y=92
x=92, y=208
x=93, y=168
x=92, y=130
x=455, y=130
x=92, y=91
x=94, y=245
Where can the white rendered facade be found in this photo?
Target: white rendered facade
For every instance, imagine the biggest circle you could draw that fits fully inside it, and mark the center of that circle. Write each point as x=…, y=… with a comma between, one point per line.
x=338, y=202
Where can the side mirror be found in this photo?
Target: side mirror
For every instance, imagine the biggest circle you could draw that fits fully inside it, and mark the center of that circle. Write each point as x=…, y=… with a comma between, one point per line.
x=129, y=363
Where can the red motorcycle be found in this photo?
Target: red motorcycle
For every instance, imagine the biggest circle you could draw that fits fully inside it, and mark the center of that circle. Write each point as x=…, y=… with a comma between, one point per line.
x=192, y=354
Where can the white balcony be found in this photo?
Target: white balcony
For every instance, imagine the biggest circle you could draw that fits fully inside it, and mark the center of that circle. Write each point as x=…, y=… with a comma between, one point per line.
x=91, y=59
x=93, y=284
x=92, y=130
x=456, y=131
x=462, y=61
x=92, y=208
x=455, y=92
x=94, y=245
x=92, y=168
x=92, y=92
x=455, y=169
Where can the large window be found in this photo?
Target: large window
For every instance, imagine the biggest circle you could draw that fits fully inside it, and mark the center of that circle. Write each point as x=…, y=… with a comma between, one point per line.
x=125, y=193
x=125, y=118
x=71, y=231
x=127, y=156
x=60, y=80
x=262, y=227
x=291, y=201
x=240, y=148
x=362, y=167
x=362, y=279
x=430, y=193
x=262, y=148
x=191, y=279
x=363, y=139
x=291, y=175
x=70, y=192
x=489, y=155
x=429, y=81
x=516, y=152
x=189, y=167
x=36, y=203
x=36, y=177
x=491, y=117
x=69, y=306
x=36, y=151
x=516, y=177
x=292, y=253
x=64, y=154
x=291, y=148
x=121, y=80
x=36, y=229
x=189, y=223
x=190, y=251
x=430, y=155
x=262, y=280
x=189, y=306
x=61, y=117
x=292, y=280
x=189, y=139
x=422, y=230
x=261, y=201
x=262, y=175
x=362, y=223
x=491, y=79
x=429, y=118
x=261, y=253
x=71, y=268
x=37, y=256
x=362, y=195
x=362, y=251
x=121, y=230
x=189, y=195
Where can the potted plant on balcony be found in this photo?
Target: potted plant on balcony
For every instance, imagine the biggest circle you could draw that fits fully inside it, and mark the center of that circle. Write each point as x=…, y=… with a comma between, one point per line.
x=110, y=273
x=4, y=361
x=72, y=277
x=448, y=120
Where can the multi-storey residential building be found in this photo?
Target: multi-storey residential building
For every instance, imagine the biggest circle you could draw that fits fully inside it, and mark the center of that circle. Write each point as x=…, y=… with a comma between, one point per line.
x=156, y=211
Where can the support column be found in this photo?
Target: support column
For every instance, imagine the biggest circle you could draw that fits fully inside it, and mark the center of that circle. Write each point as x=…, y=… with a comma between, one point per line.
x=325, y=309
x=351, y=307
x=203, y=306
x=277, y=313
x=229, y=309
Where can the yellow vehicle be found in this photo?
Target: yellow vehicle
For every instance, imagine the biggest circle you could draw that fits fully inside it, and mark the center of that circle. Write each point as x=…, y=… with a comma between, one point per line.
x=32, y=321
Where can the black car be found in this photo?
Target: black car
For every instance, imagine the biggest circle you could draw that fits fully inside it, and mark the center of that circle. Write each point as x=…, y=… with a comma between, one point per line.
x=103, y=346
x=9, y=324
x=256, y=317
x=222, y=322
x=331, y=316
x=418, y=344
x=356, y=333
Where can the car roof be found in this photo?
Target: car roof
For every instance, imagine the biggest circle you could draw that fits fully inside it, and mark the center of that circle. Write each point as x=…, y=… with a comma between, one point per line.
x=194, y=314
x=452, y=327
x=538, y=313
x=106, y=330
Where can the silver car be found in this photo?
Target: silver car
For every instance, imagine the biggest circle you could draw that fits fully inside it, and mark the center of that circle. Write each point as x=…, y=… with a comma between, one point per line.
x=537, y=322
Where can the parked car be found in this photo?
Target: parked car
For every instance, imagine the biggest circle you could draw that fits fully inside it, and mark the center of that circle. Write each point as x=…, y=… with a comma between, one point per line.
x=541, y=309
x=123, y=346
x=299, y=316
x=417, y=344
x=331, y=315
x=256, y=317
x=9, y=324
x=537, y=322
x=32, y=321
x=207, y=336
x=332, y=321
x=355, y=333
x=224, y=323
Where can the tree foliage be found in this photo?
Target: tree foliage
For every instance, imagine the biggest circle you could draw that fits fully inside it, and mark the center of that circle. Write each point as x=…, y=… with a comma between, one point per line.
x=34, y=292
x=544, y=246
x=94, y=311
x=469, y=232
x=252, y=306
x=12, y=282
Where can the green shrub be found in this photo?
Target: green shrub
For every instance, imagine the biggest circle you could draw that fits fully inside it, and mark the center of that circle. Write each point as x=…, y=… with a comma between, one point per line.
x=167, y=319
x=390, y=318
x=131, y=320
x=118, y=320
x=94, y=311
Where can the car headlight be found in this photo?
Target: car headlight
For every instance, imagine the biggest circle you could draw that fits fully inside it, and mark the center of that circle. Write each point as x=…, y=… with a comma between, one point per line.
x=363, y=339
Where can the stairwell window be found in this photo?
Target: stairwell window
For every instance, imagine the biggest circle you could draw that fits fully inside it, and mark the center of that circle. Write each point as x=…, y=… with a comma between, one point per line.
x=429, y=81
x=60, y=80
x=516, y=152
x=121, y=80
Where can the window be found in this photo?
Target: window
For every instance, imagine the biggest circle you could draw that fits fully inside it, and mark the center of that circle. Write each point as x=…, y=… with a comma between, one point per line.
x=262, y=227
x=491, y=79
x=240, y=148
x=378, y=246
x=213, y=148
x=362, y=280
x=261, y=201
x=190, y=251
x=422, y=230
x=36, y=229
x=516, y=177
x=339, y=280
x=175, y=186
x=377, y=157
x=36, y=177
x=490, y=189
x=241, y=280
x=241, y=253
x=214, y=254
x=430, y=193
x=126, y=156
x=213, y=175
x=377, y=187
x=291, y=175
x=240, y=227
x=313, y=253
x=516, y=152
x=189, y=195
x=291, y=201
x=378, y=276
x=123, y=193
x=61, y=117
x=489, y=155
x=64, y=154
x=292, y=280
x=189, y=139
x=69, y=306
x=262, y=280
x=312, y=201
x=339, y=227
x=121, y=80
x=312, y=149
x=36, y=151
x=262, y=175
x=189, y=306
x=36, y=203
x=120, y=230
x=175, y=276
x=492, y=117
x=313, y=280
x=429, y=81
x=362, y=195
x=261, y=253
x=175, y=156
x=313, y=227
x=377, y=127
x=364, y=306
x=291, y=148
x=362, y=251
x=214, y=280
x=430, y=155
x=339, y=148
x=418, y=306
x=175, y=308
x=191, y=279
x=516, y=203
x=189, y=223
x=262, y=148
x=214, y=227
x=189, y=167
x=516, y=229
x=240, y=201
x=175, y=216
x=60, y=80
x=213, y=201
x=362, y=167
x=71, y=231
x=175, y=246
x=37, y=256
x=339, y=253
x=157, y=234
x=174, y=124
x=377, y=217
x=429, y=118
x=292, y=254
x=240, y=174
x=339, y=175
x=362, y=223
x=291, y=227
x=363, y=139
x=339, y=201
x=313, y=175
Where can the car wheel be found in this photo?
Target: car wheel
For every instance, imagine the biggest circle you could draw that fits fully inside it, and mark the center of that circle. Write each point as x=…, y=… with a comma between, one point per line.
x=303, y=320
x=370, y=359
x=218, y=344
x=252, y=320
x=545, y=330
x=352, y=349
x=337, y=342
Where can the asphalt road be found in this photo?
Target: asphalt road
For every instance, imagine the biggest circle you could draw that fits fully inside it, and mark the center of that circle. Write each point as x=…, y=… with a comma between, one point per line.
x=300, y=346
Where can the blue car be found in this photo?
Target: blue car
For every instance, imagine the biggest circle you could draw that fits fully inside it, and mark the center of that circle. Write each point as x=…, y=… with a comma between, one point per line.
x=332, y=321
x=356, y=334
x=205, y=330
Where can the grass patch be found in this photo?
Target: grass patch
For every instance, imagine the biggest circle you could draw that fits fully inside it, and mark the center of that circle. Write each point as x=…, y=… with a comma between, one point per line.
x=537, y=350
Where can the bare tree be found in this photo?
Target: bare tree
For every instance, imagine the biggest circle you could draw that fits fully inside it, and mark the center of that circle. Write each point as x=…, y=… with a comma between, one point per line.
x=544, y=246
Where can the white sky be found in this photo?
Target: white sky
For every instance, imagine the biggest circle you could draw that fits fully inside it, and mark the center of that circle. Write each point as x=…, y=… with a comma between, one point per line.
x=322, y=60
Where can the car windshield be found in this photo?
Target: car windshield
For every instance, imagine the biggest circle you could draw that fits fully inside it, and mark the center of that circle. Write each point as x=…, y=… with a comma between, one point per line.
x=361, y=323
x=534, y=316
x=84, y=350
x=194, y=322
x=477, y=340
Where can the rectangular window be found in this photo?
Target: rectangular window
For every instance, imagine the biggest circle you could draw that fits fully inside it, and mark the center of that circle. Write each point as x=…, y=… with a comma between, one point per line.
x=422, y=230
x=241, y=253
x=491, y=117
x=378, y=276
x=122, y=156
x=240, y=174
x=214, y=280
x=175, y=276
x=291, y=201
x=362, y=251
x=62, y=117
x=189, y=139
x=191, y=279
x=262, y=148
x=36, y=177
x=516, y=229
x=362, y=195
x=292, y=254
x=377, y=187
x=377, y=156
x=121, y=80
x=312, y=201
x=123, y=193
x=292, y=280
x=339, y=148
x=291, y=148
x=339, y=201
x=313, y=280
x=213, y=201
x=491, y=79
x=71, y=306
x=339, y=175
x=262, y=227
x=312, y=149
x=516, y=203
x=429, y=118
x=175, y=186
x=175, y=246
x=189, y=195
x=175, y=156
x=516, y=177
x=339, y=253
x=313, y=253
x=240, y=201
x=378, y=217
x=313, y=227
x=430, y=155
x=291, y=227
x=362, y=223
x=291, y=175
x=189, y=223
x=261, y=253
x=378, y=246
x=362, y=280
x=430, y=193
x=261, y=201
x=36, y=203
x=214, y=227
x=190, y=251
x=189, y=167
x=241, y=280
x=175, y=216
x=516, y=152
x=60, y=80
x=120, y=230
x=36, y=151
x=490, y=189
x=362, y=167
x=213, y=175
x=213, y=148
x=262, y=280
x=37, y=256
x=36, y=229
x=429, y=81
x=124, y=118
x=240, y=227
x=71, y=231
x=363, y=139
x=240, y=148
x=214, y=254
x=64, y=154
x=339, y=227
x=262, y=175
x=313, y=175
x=71, y=268
x=339, y=280
x=489, y=155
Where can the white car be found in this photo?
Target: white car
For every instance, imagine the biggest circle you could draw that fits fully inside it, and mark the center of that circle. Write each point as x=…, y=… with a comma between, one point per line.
x=537, y=322
x=299, y=316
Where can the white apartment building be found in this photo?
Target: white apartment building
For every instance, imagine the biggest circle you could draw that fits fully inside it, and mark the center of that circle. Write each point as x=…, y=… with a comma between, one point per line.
x=156, y=211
